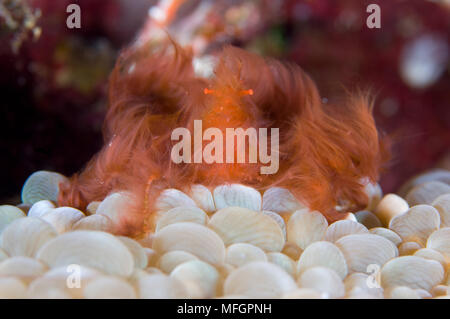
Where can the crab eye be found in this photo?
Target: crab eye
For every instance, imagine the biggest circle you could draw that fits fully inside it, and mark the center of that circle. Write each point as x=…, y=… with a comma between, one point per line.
x=243, y=92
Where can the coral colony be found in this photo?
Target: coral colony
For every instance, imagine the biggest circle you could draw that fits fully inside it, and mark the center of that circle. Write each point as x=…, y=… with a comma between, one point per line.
x=239, y=184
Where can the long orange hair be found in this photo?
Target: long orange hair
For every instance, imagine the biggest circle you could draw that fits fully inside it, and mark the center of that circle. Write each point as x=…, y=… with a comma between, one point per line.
x=325, y=150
